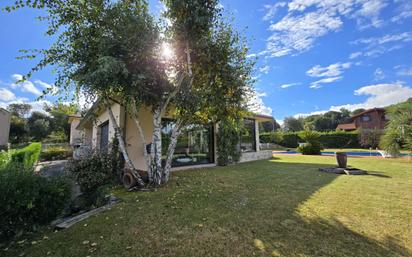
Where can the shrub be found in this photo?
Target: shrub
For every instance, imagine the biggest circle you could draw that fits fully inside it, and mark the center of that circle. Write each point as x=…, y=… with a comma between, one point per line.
x=340, y=139
x=28, y=200
x=93, y=174
x=370, y=137
x=310, y=148
x=5, y=158
x=312, y=145
x=227, y=142
x=271, y=137
x=28, y=156
x=55, y=153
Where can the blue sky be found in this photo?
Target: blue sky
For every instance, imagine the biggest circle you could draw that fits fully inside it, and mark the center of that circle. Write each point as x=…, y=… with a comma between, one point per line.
x=312, y=55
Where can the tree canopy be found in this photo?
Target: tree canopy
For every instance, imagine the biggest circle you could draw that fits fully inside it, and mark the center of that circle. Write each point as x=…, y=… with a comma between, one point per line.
x=113, y=50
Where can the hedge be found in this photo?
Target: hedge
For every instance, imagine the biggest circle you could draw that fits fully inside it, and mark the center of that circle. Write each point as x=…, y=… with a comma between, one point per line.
x=333, y=139
x=28, y=200
x=28, y=156
x=55, y=153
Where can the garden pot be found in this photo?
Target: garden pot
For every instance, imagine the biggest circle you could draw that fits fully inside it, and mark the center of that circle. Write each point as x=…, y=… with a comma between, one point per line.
x=342, y=159
x=129, y=180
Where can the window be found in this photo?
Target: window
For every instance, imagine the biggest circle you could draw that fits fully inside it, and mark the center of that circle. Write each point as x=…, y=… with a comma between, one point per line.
x=104, y=138
x=248, y=136
x=194, y=145
x=366, y=118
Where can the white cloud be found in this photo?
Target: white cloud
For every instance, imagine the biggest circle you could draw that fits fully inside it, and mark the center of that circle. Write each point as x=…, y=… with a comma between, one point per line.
x=272, y=9
x=37, y=106
x=389, y=38
x=317, y=84
x=308, y=20
x=257, y=105
x=295, y=34
x=404, y=11
x=265, y=69
x=379, y=74
x=355, y=55
x=25, y=86
x=290, y=85
x=375, y=46
x=379, y=95
x=405, y=72
x=370, y=10
x=52, y=88
x=332, y=70
x=6, y=95
x=298, y=115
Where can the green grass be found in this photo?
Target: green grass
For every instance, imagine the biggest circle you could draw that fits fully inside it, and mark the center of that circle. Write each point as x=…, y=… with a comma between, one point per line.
x=289, y=205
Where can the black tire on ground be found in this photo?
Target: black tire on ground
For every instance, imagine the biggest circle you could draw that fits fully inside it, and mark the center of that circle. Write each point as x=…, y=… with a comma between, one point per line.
x=129, y=180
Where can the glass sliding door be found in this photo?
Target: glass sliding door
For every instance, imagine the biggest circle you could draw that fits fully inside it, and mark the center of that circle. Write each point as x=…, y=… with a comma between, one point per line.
x=194, y=145
x=248, y=136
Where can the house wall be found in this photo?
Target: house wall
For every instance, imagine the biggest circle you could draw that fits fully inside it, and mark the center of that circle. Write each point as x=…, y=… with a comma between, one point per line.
x=377, y=120
x=76, y=135
x=102, y=118
x=4, y=127
x=134, y=146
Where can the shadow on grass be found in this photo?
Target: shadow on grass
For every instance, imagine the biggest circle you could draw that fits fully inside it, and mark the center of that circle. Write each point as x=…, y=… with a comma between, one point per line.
x=288, y=234
x=220, y=212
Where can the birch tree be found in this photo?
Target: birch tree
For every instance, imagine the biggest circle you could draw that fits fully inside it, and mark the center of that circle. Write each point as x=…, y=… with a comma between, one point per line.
x=112, y=49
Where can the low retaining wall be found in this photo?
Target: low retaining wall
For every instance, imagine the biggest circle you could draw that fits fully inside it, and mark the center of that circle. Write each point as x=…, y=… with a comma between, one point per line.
x=253, y=156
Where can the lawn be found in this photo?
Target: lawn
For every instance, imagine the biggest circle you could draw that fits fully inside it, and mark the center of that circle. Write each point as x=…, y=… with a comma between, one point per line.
x=284, y=206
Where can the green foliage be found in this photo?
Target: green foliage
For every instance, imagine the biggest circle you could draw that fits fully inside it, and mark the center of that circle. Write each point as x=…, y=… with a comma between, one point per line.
x=327, y=121
x=28, y=200
x=27, y=156
x=55, y=153
x=398, y=132
x=19, y=110
x=312, y=144
x=19, y=130
x=5, y=158
x=332, y=139
x=309, y=136
x=313, y=148
x=56, y=137
x=38, y=124
x=292, y=124
x=370, y=137
x=94, y=174
x=227, y=142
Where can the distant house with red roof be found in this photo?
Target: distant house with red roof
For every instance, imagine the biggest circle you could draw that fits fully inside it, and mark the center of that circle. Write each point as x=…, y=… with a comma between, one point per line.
x=370, y=119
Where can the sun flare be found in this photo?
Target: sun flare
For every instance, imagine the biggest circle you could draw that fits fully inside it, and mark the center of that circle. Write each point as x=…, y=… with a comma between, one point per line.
x=167, y=51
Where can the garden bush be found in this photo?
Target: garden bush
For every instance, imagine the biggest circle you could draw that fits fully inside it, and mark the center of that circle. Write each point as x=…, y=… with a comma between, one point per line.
x=94, y=174
x=312, y=144
x=314, y=148
x=5, y=158
x=28, y=200
x=55, y=153
x=28, y=156
x=227, y=142
x=332, y=139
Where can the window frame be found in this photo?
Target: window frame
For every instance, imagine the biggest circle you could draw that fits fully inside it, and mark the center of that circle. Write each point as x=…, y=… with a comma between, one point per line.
x=211, y=144
x=254, y=144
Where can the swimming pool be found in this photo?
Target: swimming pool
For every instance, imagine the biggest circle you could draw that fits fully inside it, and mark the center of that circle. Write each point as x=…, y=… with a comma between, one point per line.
x=355, y=154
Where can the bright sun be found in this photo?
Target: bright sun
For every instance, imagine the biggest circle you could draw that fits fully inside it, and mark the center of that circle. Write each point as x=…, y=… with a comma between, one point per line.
x=167, y=51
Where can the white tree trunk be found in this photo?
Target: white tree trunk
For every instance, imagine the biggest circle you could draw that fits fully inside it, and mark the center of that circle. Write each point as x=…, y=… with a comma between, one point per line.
x=170, y=151
x=156, y=148
x=122, y=145
x=140, y=131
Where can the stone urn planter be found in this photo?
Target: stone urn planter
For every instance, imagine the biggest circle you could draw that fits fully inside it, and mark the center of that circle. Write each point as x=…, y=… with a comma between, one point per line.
x=342, y=159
